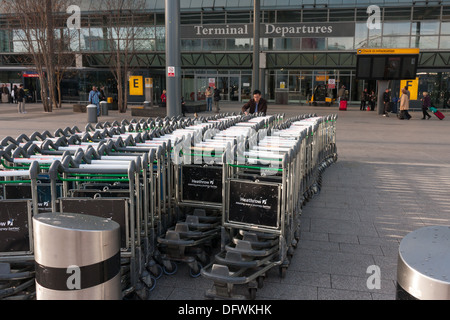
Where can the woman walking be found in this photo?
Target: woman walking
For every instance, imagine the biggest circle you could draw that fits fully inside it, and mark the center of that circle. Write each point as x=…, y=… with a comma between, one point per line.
x=426, y=103
x=404, y=105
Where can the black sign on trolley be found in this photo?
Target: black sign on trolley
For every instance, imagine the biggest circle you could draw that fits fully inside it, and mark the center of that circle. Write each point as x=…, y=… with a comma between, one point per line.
x=202, y=184
x=254, y=203
x=14, y=226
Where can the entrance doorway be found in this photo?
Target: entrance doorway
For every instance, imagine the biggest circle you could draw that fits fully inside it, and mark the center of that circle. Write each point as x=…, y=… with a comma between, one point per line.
x=228, y=85
x=31, y=89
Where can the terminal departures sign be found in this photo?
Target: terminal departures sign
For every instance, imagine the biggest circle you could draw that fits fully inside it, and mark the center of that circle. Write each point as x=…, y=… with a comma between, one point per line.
x=270, y=30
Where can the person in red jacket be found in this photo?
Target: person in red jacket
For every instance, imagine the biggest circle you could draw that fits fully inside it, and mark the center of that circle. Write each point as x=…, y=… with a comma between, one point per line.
x=163, y=99
x=255, y=105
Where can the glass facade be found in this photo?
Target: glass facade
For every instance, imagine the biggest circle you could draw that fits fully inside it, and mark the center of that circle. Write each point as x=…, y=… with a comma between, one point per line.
x=295, y=58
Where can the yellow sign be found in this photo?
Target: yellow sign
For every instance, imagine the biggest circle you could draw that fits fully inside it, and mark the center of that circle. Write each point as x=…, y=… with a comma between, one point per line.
x=322, y=78
x=388, y=51
x=149, y=82
x=136, y=85
x=413, y=87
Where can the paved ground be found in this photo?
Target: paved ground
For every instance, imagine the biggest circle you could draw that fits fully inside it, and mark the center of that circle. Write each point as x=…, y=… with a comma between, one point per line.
x=392, y=177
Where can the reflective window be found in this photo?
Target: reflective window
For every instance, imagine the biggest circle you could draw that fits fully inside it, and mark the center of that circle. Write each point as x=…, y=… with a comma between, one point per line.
x=286, y=43
x=343, y=43
x=214, y=44
x=396, y=28
x=289, y=16
x=317, y=15
x=240, y=44
x=426, y=13
x=214, y=17
x=313, y=43
x=445, y=27
x=425, y=28
x=361, y=32
x=342, y=15
x=396, y=13
x=190, y=18
x=396, y=42
x=191, y=44
x=444, y=42
x=239, y=17
x=428, y=42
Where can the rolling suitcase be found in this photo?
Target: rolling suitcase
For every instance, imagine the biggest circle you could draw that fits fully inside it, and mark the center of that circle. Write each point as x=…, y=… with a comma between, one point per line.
x=343, y=105
x=437, y=113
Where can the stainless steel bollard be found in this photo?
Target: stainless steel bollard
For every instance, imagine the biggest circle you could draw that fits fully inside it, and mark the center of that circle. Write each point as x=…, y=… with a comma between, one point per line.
x=104, y=108
x=77, y=257
x=92, y=113
x=423, y=271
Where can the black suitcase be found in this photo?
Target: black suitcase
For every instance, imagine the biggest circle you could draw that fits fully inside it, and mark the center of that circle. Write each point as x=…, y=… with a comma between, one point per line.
x=393, y=107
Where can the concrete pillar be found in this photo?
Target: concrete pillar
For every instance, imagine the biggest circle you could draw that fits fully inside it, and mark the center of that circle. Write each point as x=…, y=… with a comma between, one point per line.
x=256, y=44
x=173, y=58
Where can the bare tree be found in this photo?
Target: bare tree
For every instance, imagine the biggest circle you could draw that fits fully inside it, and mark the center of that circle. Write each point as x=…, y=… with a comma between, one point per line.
x=123, y=20
x=33, y=23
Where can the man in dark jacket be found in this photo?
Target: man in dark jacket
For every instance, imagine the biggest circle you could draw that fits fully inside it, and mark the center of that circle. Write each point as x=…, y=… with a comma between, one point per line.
x=387, y=102
x=255, y=105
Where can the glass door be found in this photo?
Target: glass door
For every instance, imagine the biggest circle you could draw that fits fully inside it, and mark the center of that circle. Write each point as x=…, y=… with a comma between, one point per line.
x=235, y=88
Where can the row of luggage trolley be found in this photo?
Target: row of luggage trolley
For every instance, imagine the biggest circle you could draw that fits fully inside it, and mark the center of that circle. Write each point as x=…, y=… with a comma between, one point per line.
x=177, y=187
x=265, y=188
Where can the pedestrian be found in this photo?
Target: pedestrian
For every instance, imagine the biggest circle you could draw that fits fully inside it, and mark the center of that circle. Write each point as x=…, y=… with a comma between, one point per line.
x=164, y=99
x=183, y=107
x=364, y=98
x=5, y=94
x=21, y=100
x=14, y=94
x=102, y=94
x=341, y=94
x=256, y=105
x=372, y=100
x=426, y=103
x=404, y=105
x=387, y=102
x=216, y=99
x=208, y=95
x=94, y=98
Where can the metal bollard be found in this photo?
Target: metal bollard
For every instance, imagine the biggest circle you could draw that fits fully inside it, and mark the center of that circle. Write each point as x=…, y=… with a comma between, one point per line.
x=92, y=113
x=104, y=107
x=77, y=257
x=423, y=271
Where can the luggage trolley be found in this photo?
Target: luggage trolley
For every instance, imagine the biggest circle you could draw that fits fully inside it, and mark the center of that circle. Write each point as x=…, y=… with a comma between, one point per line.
x=261, y=213
x=17, y=276
x=198, y=181
x=120, y=205
x=253, y=230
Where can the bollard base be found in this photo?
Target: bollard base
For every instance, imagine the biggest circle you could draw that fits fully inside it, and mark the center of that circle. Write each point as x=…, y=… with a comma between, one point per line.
x=402, y=294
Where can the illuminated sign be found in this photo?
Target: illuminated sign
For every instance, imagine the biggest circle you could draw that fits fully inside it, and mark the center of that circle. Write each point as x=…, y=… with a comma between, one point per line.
x=136, y=85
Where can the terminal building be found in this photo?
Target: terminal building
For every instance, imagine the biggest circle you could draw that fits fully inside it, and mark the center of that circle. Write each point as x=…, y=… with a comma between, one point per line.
x=303, y=43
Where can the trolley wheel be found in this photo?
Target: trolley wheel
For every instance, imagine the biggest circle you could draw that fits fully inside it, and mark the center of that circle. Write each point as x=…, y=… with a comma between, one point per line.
x=196, y=273
x=153, y=283
x=252, y=293
x=156, y=271
x=159, y=273
x=260, y=281
x=173, y=270
x=283, y=270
